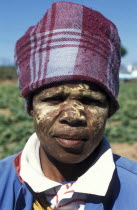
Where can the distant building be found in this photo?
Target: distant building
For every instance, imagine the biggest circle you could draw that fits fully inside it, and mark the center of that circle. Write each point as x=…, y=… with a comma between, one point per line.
x=128, y=72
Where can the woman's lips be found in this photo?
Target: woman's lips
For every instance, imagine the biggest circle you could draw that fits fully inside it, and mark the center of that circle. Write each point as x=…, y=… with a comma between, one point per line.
x=69, y=143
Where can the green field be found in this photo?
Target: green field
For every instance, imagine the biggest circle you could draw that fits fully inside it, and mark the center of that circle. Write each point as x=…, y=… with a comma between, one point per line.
x=16, y=126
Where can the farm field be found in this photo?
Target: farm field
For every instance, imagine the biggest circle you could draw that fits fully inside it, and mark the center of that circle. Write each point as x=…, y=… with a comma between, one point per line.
x=16, y=126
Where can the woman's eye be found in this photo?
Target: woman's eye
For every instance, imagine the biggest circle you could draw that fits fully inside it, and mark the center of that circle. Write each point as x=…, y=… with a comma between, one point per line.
x=88, y=101
x=53, y=100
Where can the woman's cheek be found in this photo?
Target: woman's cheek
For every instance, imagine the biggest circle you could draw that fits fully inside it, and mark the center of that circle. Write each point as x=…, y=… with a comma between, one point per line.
x=97, y=116
x=45, y=114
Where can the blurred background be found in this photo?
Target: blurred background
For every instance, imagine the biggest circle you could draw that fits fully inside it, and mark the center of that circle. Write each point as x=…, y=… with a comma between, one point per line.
x=15, y=125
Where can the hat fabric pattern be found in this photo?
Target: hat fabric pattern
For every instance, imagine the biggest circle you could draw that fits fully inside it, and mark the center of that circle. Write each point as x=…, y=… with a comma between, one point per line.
x=71, y=42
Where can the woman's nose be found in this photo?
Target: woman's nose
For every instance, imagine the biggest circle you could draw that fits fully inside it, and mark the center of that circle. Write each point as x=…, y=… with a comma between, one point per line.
x=73, y=114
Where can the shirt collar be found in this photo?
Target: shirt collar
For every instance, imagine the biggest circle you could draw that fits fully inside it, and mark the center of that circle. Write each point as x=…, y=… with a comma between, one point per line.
x=94, y=181
x=98, y=177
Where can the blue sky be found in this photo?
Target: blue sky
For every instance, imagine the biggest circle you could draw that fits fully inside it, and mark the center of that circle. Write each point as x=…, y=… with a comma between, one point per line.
x=17, y=15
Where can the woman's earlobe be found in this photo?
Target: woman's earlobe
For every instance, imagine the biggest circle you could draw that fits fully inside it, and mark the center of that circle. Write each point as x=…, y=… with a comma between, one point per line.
x=31, y=112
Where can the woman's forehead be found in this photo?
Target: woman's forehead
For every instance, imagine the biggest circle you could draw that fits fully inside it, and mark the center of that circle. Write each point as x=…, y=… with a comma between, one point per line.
x=79, y=88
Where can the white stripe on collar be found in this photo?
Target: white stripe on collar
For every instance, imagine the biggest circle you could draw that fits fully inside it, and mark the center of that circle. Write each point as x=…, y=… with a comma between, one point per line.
x=95, y=181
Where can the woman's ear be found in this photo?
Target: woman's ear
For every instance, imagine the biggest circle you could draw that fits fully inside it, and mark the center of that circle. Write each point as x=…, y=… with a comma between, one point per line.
x=31, y=112
x=30, y=106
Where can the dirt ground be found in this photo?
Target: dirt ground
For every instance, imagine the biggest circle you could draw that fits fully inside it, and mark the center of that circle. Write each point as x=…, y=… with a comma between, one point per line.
x=8, y=82
x=125, y=150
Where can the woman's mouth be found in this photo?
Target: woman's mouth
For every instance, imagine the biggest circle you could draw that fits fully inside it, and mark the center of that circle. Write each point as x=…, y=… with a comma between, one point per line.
x=69, y=143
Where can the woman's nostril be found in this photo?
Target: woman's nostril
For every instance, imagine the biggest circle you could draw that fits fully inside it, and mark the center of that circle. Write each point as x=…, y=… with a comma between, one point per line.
x=73, y=119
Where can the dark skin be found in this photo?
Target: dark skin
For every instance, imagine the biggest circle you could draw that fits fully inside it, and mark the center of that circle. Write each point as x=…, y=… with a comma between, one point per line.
x=69, y=121
x=67, y=172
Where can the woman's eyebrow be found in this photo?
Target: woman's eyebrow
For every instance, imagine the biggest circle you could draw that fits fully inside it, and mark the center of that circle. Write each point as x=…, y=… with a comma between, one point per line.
x=52, y=93
x=95, y=95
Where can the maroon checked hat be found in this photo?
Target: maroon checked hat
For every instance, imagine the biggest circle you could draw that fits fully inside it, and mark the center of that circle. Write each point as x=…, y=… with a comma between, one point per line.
x=71, y=42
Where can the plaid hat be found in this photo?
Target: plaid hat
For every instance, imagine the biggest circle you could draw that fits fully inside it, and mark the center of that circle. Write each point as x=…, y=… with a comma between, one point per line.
x=71, y=42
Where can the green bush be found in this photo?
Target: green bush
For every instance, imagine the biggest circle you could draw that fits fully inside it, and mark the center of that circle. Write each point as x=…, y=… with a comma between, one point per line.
x=122, y=127
x=7, y=72
x=16, y=125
